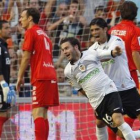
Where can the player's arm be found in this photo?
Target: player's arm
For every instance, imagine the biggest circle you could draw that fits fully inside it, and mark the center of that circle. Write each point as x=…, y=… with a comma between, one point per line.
x=23, y=66
x=136, y=58
x=108, y=54
x=48, y=7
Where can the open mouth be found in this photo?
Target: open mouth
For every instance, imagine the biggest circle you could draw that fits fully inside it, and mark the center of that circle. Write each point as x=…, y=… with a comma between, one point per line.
x=97, y=36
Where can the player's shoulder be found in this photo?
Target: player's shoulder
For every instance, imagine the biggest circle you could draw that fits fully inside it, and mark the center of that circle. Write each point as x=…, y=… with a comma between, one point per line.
x=115, y=38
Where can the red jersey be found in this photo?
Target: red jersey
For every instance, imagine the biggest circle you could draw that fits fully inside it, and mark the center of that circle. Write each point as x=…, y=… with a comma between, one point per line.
x=39, y=44
x=127, y=30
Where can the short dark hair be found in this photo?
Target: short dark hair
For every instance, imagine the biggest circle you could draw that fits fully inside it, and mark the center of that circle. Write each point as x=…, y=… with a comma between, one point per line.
x=99, y=22
x=75, y=2
x=34, y=13
x=128, y=10
x=73, y=41
x=2, y=22
x=99, y=8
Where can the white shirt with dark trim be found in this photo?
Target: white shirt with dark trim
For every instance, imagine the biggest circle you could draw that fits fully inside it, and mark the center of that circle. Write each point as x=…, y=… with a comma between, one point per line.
x=88, y=74
x=116, y=68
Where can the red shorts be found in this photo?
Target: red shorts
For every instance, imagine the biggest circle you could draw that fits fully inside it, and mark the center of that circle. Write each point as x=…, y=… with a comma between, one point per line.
x=134, y=75
x=45, y=94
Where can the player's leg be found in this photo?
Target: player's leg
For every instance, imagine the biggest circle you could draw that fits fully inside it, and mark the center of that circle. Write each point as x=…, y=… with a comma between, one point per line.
x=46, y=122
x=45, y=94
x=3, y=118
x=4, y=112
x=39, y=121
x=101, y=130
x=123, y=126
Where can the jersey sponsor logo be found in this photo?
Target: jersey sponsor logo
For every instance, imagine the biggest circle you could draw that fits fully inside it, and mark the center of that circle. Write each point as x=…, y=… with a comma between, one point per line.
x=138, y=109
x=89, y=75
x=139, y=40
x=7, y=61
x=118, y=32
x=116, y=108
x=111, y=61
x=118, y=39
x=48, y=65
x=82, y=67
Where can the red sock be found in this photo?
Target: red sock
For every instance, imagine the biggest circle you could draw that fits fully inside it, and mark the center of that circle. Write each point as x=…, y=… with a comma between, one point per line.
x=128, y=120
x=47, y=128
x=40, y=129
x=111, y=134
x=2, y=121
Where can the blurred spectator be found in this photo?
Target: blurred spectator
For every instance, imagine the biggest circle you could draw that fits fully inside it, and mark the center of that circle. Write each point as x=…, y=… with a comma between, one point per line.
x=113, y=6
x=137, y=2
x=90, y=5
x=70, y=26
x=45, y=12
x=64, y=90
x=14, y=65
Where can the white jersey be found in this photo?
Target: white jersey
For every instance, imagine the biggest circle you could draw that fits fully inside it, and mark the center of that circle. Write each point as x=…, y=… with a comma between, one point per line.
x=87, y=73
x=116, y=68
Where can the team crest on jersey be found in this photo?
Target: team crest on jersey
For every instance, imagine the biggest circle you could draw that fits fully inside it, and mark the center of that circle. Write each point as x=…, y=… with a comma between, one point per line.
x=82, y=67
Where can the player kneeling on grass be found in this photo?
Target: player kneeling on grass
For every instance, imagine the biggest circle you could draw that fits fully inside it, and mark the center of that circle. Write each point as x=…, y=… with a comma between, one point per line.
x=85, y=72
x=7, y=93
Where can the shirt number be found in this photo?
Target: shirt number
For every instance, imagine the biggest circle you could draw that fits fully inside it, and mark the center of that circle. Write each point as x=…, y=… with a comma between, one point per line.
x=47, y=46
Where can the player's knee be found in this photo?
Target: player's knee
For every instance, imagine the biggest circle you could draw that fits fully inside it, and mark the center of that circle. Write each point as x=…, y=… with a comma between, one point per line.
x=100, y=123
x=38, y=112
x=117, y=119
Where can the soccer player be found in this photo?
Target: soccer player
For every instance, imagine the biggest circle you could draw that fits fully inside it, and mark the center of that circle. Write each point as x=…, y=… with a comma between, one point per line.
x=117, y=69
x=5, y=105
x=37, y=50
x=85, y=73
x=128, y=32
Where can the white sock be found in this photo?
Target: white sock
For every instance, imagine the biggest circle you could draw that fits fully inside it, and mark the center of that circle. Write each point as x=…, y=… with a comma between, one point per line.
x=127, y=131
x=136, y=133
x=101, y=133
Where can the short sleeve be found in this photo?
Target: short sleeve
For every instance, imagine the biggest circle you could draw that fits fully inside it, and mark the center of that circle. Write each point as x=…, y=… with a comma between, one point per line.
x=135, y=44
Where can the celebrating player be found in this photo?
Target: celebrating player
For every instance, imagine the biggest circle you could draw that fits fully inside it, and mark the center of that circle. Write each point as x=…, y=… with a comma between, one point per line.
x=117, y=69
x=85, y=73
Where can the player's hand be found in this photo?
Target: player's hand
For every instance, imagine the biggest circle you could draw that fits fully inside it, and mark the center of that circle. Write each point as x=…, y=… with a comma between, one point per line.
x=5, y=89
x=19, y=83
x=117, y=51
x=11, y=96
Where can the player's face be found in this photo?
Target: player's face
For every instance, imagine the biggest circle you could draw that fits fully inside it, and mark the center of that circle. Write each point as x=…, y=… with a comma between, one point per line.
x=98, y=33
x=69, y=51
x=5, y=32
x=24, y=20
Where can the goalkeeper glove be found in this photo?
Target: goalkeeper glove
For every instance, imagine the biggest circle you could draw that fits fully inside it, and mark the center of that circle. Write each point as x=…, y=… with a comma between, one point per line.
x=5, y=89
x=11, y=96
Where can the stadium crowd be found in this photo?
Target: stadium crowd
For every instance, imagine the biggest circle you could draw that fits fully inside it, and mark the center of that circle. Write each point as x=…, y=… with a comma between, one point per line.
x=59, y=19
